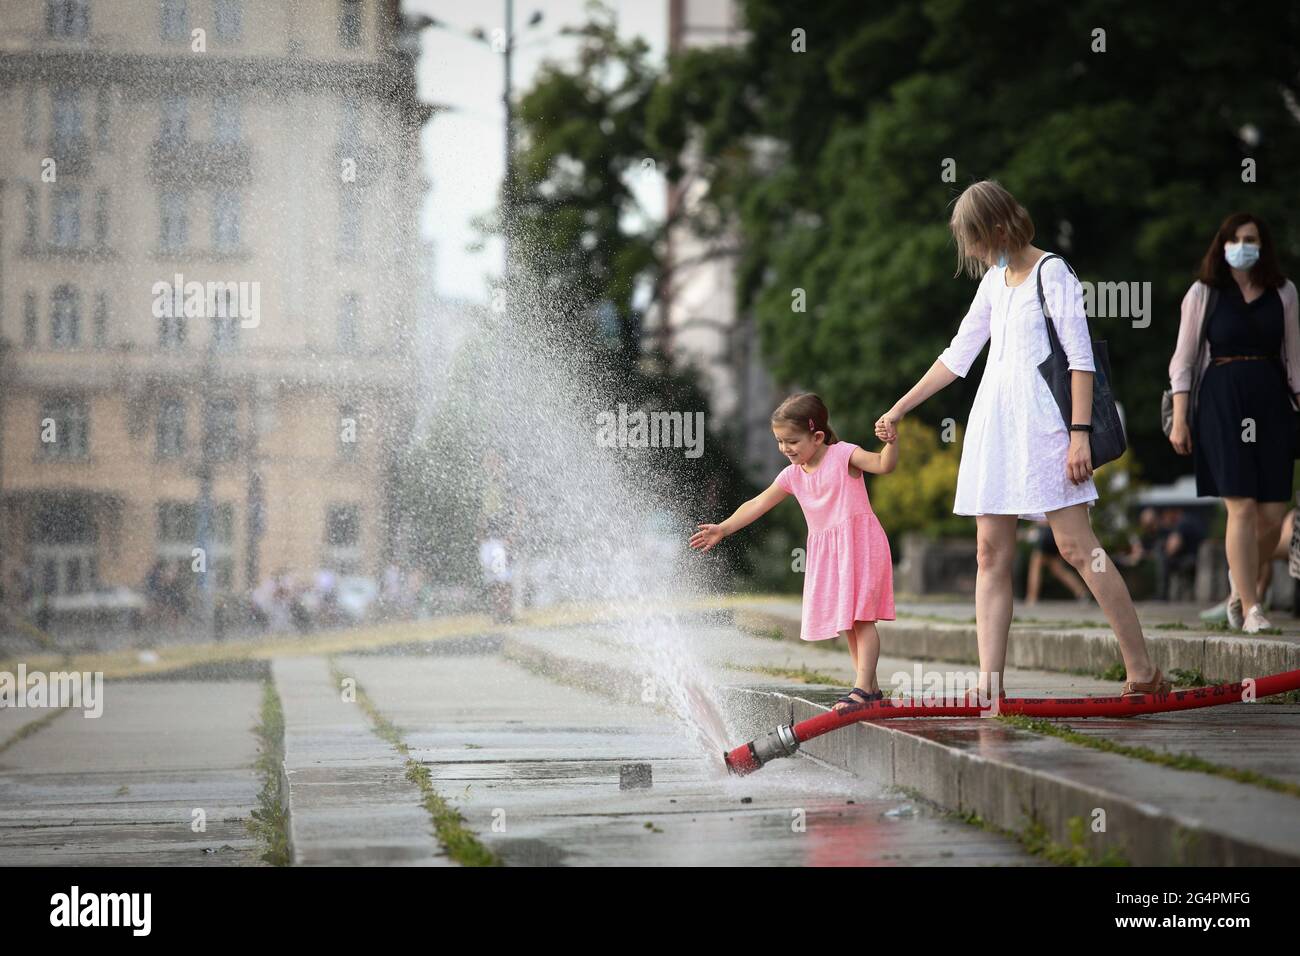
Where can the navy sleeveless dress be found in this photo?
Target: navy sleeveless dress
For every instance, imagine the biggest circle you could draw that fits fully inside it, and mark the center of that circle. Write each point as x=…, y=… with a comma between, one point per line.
x=1226, y=464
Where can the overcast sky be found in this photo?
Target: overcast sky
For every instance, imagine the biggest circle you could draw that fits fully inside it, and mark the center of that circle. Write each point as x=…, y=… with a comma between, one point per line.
x=463, y=147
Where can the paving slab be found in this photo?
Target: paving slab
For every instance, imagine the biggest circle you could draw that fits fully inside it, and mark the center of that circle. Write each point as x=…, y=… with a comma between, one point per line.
x=348, y=799
x=121, y=789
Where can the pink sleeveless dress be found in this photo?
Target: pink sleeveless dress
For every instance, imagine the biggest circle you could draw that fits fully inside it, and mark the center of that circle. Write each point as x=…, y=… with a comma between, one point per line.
x=849, y=575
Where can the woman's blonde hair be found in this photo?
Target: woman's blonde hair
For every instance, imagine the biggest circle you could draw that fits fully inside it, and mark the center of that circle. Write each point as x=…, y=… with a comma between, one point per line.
x=976, y=215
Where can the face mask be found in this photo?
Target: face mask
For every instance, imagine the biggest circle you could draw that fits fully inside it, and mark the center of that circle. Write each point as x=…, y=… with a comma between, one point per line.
x=1002, y=260
x=1241, y=255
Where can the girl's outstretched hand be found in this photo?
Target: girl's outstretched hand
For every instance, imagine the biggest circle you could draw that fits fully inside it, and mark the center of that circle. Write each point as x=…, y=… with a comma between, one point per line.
x=706, y=537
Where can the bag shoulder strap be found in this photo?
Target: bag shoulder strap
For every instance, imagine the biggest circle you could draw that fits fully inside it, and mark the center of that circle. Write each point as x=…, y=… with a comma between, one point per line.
x=1042, y=300
x=1211, y=300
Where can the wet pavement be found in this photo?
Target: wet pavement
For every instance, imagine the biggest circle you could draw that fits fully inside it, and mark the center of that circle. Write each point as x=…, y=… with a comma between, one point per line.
x=163, y=777
x=533, y=765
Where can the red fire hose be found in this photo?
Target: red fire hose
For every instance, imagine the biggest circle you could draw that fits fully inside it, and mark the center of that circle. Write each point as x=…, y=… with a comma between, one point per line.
x=785, y=740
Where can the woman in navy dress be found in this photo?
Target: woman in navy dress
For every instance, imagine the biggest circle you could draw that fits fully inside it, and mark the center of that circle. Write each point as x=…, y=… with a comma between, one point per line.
x=1241, y=430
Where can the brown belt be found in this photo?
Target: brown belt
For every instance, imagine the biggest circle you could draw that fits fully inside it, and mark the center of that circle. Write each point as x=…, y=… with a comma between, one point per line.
x=1225, y=359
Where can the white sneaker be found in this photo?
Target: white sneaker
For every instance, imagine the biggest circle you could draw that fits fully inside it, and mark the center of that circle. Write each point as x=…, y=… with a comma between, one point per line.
x=1255, y=621
x=1235, y=616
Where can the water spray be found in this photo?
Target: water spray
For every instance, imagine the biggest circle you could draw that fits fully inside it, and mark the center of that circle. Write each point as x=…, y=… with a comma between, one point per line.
x=784, y=741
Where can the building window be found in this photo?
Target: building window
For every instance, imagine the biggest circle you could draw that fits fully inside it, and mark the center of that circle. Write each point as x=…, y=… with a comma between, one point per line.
x=66, y=231
x=174, y=220
x=226, y=119
x=101, y=218
x=101, y=319
x=350, y=23
x=65, y=317
x=63, y=548
x=343, y=538
x=225, y=333
x=175, y=19
x=349, y=222
x=63, y=427
x=102, y=118
x=178, y=534
x=220, y=429
x=171, y=331
x=349, y=322
x=171, y=428
x=31, y=117
x=174, y=128
x=228, y=19
x=30, y=319
x=67, y=18
x=65, y=119
x=225, y=220
x=350, y=125
x=31, y=210
x=349, y=432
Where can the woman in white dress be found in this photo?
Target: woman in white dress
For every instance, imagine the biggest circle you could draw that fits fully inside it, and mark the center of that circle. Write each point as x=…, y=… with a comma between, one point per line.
x=1018, y=459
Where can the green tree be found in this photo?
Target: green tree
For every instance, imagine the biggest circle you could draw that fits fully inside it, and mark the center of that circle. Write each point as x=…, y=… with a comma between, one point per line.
x=830, y=163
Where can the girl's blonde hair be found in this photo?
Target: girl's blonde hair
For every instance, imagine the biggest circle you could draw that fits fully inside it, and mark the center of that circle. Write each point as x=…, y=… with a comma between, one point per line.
x=807, y=412
x=978, y=211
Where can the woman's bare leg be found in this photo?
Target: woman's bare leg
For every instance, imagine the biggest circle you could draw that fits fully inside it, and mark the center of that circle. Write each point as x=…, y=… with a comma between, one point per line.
x=1272, y=514
x=1061, y=571
x=1241, y=540
x=1035, y=583
x=1080, y=548
x=995, y=553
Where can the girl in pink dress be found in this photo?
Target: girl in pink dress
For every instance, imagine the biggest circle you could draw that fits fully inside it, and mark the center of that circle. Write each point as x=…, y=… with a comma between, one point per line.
x=849, y=575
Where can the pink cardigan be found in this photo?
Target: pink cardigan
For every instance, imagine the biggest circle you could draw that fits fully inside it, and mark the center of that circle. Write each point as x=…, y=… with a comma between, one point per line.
x=1189, y=336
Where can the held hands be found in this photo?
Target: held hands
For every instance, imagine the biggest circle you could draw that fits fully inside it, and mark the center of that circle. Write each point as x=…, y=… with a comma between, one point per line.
x=1078, y=463
x=887, y=426
x=707, y=537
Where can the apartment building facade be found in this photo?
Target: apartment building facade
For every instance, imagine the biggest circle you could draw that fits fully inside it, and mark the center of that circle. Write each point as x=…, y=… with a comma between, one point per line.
x=208, y=240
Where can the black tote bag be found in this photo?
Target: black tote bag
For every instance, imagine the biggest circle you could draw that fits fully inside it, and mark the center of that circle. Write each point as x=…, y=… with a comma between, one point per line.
x=1107, y=436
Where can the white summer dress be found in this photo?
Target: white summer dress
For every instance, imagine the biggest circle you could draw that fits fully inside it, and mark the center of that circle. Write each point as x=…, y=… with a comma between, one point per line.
x=1016, y=443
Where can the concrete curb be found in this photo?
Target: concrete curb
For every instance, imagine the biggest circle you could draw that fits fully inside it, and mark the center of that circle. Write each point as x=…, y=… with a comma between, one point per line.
x=1220, y=658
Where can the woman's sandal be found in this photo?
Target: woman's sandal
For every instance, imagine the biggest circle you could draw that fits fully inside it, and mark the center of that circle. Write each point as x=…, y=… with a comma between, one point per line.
x=859, y=701
x=1156, y=685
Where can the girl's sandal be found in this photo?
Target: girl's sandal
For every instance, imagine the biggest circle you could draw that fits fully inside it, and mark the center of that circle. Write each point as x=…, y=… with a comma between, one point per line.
x=859, y=701
x=1156, y=685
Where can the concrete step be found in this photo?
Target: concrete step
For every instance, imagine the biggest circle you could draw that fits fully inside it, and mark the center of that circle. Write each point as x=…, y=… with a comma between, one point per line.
x=346, y=793
x=1219, y=656
x=1008, y=777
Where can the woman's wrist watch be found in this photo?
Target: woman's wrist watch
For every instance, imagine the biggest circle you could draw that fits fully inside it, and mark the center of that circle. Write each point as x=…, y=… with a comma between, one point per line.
x=1080, y=428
